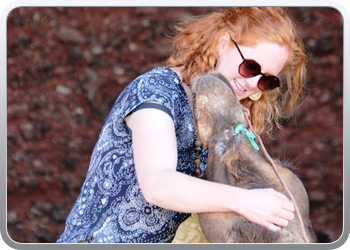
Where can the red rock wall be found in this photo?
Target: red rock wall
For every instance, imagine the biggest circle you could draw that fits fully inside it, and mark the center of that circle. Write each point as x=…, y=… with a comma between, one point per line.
x=65, y=68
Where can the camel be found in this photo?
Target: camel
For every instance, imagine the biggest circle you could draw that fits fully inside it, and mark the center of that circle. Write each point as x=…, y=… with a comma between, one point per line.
x=236, y=158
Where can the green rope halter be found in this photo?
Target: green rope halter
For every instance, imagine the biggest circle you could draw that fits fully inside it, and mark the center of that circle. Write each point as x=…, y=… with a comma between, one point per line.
x=249, y=134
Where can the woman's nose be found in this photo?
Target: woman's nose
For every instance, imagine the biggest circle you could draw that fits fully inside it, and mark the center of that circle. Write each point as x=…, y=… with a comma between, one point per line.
x=252, y=82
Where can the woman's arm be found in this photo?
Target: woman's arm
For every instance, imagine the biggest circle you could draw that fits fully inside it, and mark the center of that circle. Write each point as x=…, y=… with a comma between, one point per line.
x=155, y=153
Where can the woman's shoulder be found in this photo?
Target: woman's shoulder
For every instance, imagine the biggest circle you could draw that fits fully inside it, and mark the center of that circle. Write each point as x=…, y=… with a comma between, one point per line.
x=162, y=74
x=160, y=80
x=162, y=70
x=160, y=85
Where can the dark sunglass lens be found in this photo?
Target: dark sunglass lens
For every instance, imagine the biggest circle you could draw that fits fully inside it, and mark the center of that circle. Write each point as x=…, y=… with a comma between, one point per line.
x=249, y=68
x=267, y=83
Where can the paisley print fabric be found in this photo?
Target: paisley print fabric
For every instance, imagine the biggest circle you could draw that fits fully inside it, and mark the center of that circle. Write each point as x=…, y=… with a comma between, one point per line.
x=111, y=207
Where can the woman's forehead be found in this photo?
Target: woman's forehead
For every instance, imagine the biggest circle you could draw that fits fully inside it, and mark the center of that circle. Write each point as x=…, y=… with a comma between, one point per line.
x=271, y=56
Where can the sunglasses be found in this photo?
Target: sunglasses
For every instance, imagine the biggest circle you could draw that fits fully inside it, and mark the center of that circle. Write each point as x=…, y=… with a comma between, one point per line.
x=250, y=68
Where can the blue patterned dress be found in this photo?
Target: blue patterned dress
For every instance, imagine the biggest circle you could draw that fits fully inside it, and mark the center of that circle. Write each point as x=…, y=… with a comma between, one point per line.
x=111, y=207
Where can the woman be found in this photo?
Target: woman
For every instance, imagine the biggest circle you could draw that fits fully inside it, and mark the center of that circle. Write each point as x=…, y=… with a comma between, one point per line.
x=143, y=180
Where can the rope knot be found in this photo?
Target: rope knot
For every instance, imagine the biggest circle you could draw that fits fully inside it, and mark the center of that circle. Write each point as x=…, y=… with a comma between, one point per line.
x=251, y=136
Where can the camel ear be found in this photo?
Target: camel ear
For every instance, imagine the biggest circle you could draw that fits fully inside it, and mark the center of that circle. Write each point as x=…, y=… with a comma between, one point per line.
x=216, y=107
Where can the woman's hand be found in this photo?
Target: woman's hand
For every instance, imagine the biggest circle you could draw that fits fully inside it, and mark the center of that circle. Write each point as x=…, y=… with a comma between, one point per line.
x=267, y=208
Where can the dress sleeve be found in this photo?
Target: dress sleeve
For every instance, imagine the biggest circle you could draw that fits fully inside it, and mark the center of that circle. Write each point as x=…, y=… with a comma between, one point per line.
x=159, y=87
x=152, y=105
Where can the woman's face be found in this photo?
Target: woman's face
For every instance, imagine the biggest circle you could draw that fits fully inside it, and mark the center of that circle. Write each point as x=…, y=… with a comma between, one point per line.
x=271, y=56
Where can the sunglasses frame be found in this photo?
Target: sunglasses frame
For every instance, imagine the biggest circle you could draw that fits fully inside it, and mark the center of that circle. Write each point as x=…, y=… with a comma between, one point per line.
x=264, y=78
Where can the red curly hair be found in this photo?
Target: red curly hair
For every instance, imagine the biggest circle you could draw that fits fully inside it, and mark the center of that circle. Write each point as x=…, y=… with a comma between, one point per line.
x=196, y=48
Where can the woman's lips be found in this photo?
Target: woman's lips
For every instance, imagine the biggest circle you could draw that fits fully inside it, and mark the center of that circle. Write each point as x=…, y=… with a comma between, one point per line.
x=239, y=86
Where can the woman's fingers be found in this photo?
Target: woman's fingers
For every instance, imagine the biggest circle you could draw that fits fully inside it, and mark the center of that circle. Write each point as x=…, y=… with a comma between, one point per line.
x=287, y=215
x=279, y=222
x=275, y=214
x=287, y=204
x=273, y=227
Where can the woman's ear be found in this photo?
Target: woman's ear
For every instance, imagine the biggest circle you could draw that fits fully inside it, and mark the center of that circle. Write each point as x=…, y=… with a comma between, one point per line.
x=224, y=40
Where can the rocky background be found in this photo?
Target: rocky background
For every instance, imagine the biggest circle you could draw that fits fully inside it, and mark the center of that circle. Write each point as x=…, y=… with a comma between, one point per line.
x=66, y=67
